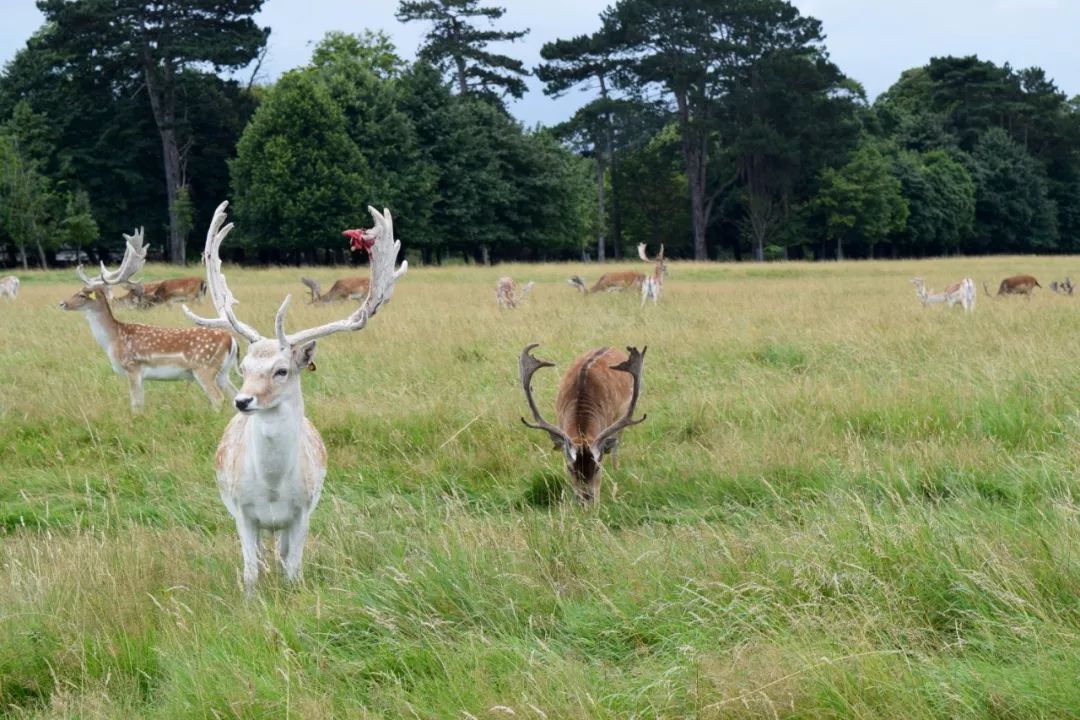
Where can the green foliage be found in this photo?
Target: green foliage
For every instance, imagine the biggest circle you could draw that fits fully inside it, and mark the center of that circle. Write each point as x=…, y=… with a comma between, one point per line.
x=79, y=229
x=457, y=47
x=862, y=201
x=1013, y=211
x=940, y=195
x=298, y=178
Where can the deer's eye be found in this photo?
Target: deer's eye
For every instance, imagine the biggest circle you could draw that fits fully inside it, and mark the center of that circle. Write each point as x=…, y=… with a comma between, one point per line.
x=281, y=373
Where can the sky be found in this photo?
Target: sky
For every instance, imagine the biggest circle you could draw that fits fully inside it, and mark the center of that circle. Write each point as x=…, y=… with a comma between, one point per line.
x=872, y=41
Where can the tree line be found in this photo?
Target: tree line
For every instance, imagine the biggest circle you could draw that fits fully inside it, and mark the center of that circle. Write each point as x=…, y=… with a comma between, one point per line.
x=721, y=129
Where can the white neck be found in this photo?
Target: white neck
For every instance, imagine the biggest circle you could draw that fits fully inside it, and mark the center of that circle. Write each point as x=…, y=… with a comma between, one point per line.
x=274, y=437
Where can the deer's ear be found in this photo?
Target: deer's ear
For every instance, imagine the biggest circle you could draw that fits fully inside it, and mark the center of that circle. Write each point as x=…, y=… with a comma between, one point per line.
x=304, y=356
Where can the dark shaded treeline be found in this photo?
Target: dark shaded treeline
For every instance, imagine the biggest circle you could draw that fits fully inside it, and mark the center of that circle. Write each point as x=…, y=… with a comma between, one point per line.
x=721, y=130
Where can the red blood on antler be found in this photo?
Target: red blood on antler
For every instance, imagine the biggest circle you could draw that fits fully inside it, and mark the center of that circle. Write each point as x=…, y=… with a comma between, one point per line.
x=360, y=241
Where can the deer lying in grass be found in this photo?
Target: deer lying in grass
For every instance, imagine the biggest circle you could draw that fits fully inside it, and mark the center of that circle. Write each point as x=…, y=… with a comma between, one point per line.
x=1063, y=288
x=1016, y=285
x=145, y=352
x=163, y=292
x=9, y=286
x=271, y=461
x=654, y=283
x=959, y=293
x=350, y=288
x=596, y=401
x=507, y=292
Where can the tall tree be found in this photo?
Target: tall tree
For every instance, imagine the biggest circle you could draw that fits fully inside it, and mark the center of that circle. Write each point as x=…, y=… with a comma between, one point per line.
x=457, y=46
x=696, y=50
x=581, y=60
x=158, y=41
x=298, y=178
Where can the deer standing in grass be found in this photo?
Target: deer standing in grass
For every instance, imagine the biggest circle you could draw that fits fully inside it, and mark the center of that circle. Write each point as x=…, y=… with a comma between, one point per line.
x=654, y=283
x=9, y=286
x=962, y=293
x=1016, y=285
x=596, y=401
x=610, y=282
x=144, y=352
x=163, y=292
x=507, y=292
x=271, y=461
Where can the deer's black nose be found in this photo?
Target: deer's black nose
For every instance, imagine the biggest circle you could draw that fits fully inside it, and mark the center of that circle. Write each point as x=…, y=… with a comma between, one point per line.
x=242, y=403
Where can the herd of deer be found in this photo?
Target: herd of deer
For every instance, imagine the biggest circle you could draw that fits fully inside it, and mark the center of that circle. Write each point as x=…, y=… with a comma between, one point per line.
x=271, y=461
x=963, y=293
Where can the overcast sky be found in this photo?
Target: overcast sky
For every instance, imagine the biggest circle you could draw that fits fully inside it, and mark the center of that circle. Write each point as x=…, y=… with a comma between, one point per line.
x=871, y=40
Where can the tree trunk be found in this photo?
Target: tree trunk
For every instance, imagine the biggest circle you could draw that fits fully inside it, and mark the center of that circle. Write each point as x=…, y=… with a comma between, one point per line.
x=22, y=257
x=601, y=215
x=839, y=249
x=485, y=255
x=163, y=103
x=696, y=160
x=41, y=255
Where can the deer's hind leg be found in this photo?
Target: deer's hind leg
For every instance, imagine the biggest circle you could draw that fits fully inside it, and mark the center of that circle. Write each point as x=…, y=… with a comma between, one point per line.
x=208, y=381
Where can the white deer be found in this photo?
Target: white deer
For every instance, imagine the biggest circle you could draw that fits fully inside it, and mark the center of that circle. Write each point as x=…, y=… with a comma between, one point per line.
x=271, y=461
x=654, y=283
x=9, y=286
x=962, y=293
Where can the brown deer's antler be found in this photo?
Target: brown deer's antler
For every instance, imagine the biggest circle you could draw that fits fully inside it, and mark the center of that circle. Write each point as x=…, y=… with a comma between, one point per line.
x=527, y=366
x=632, y=365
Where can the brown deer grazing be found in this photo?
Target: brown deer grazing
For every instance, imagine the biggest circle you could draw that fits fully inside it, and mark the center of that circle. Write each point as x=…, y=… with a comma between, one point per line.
x=1016, y=285
x=653, y=283
x=271, y=461
x=145, y=352
x=350, y=288
x=610, y=282
x=507, y=292
x=596, y=401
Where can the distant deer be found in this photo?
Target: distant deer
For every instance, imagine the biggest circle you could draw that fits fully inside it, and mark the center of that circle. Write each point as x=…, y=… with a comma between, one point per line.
x=595, y=403
x=959, y=293
x=9, y=286
x=145, y=352
x=350, y=288
x=654, y=283
x=1063, y=288
x=610, y=282
x=271, y=461
x=1016, y=285
x=507, y=292
x=162, y=292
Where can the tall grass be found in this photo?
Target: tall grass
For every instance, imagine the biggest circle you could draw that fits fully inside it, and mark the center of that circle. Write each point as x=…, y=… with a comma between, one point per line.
x=842, y=505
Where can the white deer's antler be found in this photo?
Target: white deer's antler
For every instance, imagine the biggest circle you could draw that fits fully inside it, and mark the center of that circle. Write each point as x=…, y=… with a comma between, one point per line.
x=383, y=255
x=133, y=262
x=220, y=294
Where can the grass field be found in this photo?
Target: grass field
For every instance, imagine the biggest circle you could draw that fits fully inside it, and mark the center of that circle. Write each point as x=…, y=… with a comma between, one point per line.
x=841, y=505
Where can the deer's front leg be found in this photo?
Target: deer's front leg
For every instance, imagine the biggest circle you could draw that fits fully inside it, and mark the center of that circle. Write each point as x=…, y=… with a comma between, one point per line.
x=249, y=545
x=135, y=388
x=291, y=547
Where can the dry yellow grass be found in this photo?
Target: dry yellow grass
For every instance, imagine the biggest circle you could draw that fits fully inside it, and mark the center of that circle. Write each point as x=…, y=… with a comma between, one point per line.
x=842, y=505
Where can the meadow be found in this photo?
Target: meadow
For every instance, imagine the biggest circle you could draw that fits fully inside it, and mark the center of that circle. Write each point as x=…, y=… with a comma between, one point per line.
x=841, y=505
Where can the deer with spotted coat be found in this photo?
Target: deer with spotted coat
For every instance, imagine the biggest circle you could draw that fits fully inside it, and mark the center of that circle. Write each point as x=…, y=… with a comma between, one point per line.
x=146, y=352
x=654, y=283
x=595, y=403
x=271, y=461
x=959, y=293
x=508, y=294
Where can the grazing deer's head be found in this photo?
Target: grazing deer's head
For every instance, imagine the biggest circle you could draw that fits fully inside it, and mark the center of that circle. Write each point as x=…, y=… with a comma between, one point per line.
x=592, y=429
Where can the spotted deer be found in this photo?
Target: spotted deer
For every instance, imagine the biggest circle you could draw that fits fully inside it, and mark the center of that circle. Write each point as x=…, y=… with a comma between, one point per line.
x=9, y=286
x=959, y=293
x=145, y=352
x=654, y=283
x=507, y=293
x=595, y=403
x=349, y=288
x=271, y=461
